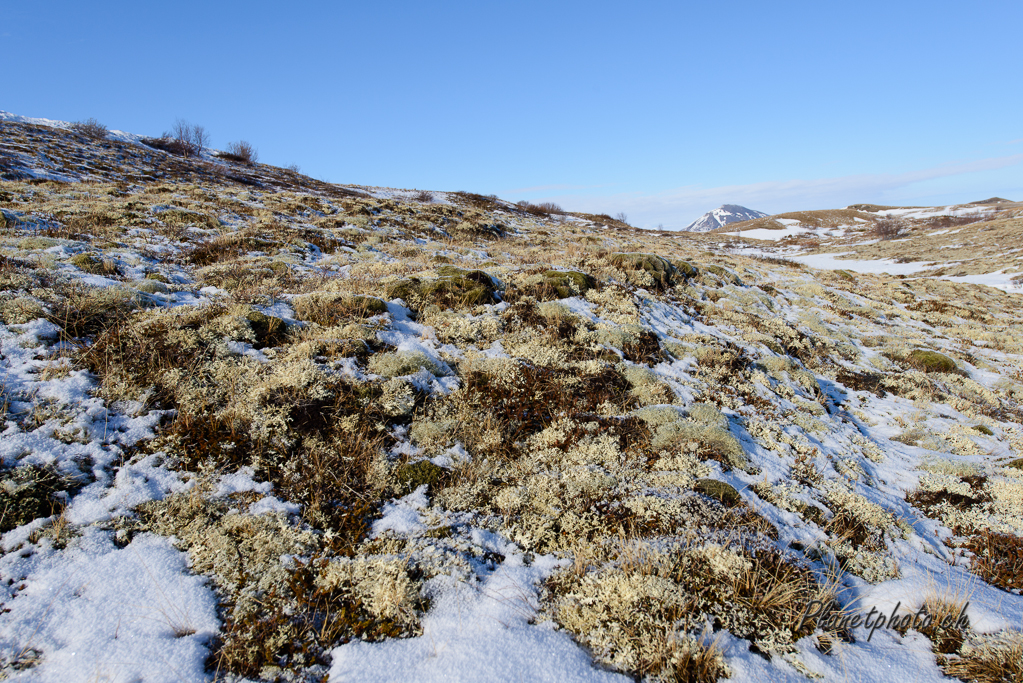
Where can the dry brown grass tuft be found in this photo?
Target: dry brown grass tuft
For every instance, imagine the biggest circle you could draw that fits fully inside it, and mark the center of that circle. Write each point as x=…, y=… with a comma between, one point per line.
x=996, y=659
x=84, y=311
x=998, y=559
x=331, y=308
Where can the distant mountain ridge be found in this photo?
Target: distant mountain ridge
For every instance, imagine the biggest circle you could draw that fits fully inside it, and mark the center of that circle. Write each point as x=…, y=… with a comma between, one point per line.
x=723, y=215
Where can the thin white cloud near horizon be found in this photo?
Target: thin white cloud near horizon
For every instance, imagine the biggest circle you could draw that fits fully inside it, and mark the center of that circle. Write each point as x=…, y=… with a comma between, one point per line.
x=678, y=207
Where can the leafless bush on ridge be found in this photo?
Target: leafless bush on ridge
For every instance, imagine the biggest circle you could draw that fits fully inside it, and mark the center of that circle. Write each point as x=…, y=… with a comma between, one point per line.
x=90, y=128
x=889, y=227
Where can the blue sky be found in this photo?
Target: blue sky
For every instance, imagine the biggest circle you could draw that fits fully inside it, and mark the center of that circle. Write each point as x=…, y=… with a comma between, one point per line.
x=661, y=110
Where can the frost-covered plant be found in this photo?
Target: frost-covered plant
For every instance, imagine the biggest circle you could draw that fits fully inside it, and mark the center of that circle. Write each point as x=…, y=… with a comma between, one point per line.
x=626, y=610
x=396, y=364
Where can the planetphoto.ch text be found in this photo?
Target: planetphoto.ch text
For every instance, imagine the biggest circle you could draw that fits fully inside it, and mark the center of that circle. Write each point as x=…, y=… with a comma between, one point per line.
x=835, y=620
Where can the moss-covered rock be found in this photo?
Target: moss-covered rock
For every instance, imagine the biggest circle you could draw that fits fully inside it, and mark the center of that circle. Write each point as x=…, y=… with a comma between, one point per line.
x=566, y=283
x=723, y=273
x=454, y=288
x=983, y=429
x=27, y=493
x=932, y=361
x=269, y=330
x=411, y=476
x=8, y=220
x=644, y=268
x=479, y=228
x=93, y=264
x=686, y=270
x=719, y=491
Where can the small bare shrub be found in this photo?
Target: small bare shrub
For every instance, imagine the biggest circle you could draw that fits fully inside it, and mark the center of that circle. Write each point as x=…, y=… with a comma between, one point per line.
x=90, y=128
x=621, y=217
x=193, y=138
x=167, y=144
x=541, y=209
x=241, y=152
x=423, y=196
x=889, y=227
x=184, y=140
x=550, y=208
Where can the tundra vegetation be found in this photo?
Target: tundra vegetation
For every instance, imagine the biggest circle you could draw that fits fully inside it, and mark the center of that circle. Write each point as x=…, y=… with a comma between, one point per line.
x=708, y=442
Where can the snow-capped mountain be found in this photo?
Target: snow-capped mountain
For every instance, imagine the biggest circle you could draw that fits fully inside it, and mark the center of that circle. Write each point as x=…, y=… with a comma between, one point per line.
x=723, y=215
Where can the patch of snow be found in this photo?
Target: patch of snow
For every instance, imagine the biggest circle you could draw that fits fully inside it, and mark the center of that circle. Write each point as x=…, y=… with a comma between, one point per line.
x=477, y=633
x=98, y=612
x=774, y=235
x=241, y=481
x=831, y=262
x=402, y=515
x=998, y=279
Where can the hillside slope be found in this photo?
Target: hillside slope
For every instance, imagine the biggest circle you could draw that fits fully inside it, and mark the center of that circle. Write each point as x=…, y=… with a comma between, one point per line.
x=278, y=429
x=962, y=243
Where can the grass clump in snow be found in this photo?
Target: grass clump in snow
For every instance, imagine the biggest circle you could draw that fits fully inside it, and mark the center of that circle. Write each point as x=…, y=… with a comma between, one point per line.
x=330, y=309
x=940, y=491
x=938, y=621
x=295, y=423
x=280, y=614
x=987, y=659
x=82, y=311
x=93, y=264
x=858, y=531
